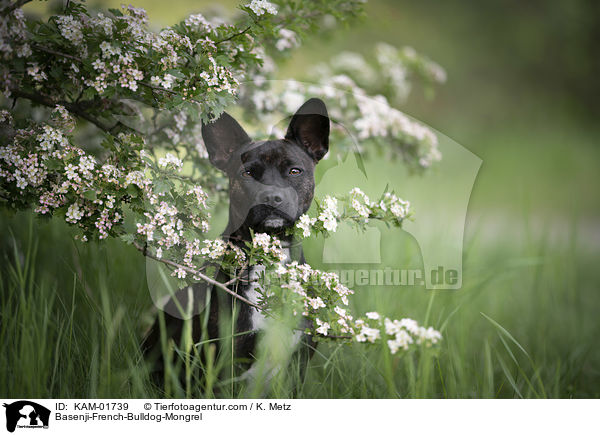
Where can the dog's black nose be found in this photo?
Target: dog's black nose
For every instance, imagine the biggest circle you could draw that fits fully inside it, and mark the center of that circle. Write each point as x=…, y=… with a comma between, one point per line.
x=270, y=198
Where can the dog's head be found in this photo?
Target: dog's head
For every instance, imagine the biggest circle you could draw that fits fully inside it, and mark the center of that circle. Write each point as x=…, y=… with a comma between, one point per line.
x=271, y=183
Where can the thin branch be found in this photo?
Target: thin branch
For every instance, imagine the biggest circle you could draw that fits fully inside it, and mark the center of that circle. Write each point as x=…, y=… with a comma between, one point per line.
x=158, y=88
x=235, y=35
x=200, y=275
x=57, y=53
x=238, y=277
x=169, y=91
x=77, y=109
x=16, y=5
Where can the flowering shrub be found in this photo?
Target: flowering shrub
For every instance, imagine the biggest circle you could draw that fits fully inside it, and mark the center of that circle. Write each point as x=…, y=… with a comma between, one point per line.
x=104, y=125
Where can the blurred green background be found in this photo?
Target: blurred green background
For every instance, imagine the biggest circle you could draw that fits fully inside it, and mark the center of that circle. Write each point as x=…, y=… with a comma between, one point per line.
x=522, y=94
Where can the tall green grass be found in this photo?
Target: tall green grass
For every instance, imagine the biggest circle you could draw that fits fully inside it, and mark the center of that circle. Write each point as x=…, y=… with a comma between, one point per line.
x=72, y=317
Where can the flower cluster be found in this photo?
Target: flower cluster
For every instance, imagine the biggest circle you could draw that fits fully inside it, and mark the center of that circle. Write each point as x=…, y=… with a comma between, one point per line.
x=309, y=291
x=220, y=78
x=114, y=68
x=217, y=249
x=267, y=248
x=260, y=7
x=70, y=28
x=170, y=161
x=329, y=213
x=287, y=40
x=398, y=334
x=321, y=297
x=58, y=177
x=305, y=223
x=388, y=208
x=358, y=209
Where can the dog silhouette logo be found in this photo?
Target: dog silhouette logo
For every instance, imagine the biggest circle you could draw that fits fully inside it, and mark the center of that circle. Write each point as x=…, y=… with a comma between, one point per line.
x=26, y=414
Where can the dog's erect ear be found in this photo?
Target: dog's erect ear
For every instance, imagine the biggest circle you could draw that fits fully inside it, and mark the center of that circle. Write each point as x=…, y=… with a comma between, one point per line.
x=309, y=128
x=222, y=137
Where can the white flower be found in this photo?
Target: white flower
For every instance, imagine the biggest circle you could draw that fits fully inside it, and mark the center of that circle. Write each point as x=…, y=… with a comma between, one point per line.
x=214, y=249
x=180, y=272
x=108, y=50
x=405, y=332
x=410, y=325
x=305, y=223
x=323, y=327
x=261, y=240
x=86, y=163
x=167, y=81
x=329, y=214
x=316, y=303
x=200, y=195
x=288, y=40
x=35, y=72
x=155, y=81
x=360, y=202
x=134, y=177
x=71, y=172
x=330, y=224
x=429, y=336
x=197, y=20
x=391, y=327
x=281, y=270
x=74, y=213
x=180, y=120
x=70, y=29
x=24, y=50
x=379, y=119
x=239, y=255
x=259, y=7
x=110, y=201
x=397, y=206
x=268, y=245
x=21, y=182
x=171, y=160
x=147, y=230
x=367, y=334
x=340, y=311
x=104, y=23
x=305, y=271
x=373, y=315
x=401, y=340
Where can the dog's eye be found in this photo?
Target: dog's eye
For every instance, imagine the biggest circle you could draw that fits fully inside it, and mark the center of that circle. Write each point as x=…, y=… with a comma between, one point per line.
x=246, y=174
x=295, y=171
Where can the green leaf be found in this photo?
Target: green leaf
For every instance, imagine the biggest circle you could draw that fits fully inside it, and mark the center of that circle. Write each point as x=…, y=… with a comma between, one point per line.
x=128, y=238
x=53, y=164
x=90, y=194
x=132, y=190
x=162, y=186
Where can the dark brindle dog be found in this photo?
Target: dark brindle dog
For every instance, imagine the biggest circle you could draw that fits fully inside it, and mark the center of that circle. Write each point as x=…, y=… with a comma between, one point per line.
x=271, y=184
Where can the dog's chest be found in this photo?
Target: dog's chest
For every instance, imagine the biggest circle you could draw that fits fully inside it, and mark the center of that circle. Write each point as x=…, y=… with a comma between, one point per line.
x=254, y=289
